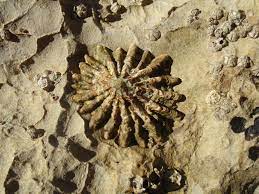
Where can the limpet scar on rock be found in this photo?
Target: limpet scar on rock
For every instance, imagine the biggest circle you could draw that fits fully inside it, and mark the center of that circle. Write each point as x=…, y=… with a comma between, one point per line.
x=253, y=153
x=129, y=96
x=153, y=34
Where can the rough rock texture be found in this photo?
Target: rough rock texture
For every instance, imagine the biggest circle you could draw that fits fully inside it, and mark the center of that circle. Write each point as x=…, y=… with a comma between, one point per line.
x=46, y=145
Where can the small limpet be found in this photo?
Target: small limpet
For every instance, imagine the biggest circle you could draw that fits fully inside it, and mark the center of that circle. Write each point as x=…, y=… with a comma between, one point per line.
x=48, y=79
x=233, y=36
x=218, y=44
x=241, y=31
x=213, y=97
x=193, y=16
x=211, y=29
x=244, y=29
x=244, y=61
x=254, y=32
x=217, y=14
x=212, y=21
x=218, y=32
x=226, y=27
x=115, y=7
x=230, y=61
x=195, y=12
x=139, y=184
x=255, y=71
x=81, y=11
x=236, y=17
x=216, y=69
x=43, y=82
x=153, y=34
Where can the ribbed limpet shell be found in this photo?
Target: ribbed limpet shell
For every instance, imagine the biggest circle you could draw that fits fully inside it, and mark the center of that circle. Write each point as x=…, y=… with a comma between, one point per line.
x=129, y=96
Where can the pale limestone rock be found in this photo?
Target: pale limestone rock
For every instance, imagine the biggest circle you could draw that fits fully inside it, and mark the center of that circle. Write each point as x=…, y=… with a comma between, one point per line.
x=46, y=146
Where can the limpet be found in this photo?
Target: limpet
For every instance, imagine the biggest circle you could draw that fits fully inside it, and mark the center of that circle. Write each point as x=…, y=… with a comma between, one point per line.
x=115, y=7
x=233, y=36
x=218, y=44
x=236, y=16
x=153, y=34
x=244, y=61
x=81, y=11
x=230, y=61
x=254, y=32
x=129, y=96
x=217, y=14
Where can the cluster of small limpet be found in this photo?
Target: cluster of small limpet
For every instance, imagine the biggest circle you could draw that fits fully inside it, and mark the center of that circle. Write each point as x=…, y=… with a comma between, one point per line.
x=229, y=27
x=232, y=61
x=106, y=13
x=223, y=73
x=48, y=79
x=242, y=61
x=157, y=181
x=112, y=12
x=222, y=104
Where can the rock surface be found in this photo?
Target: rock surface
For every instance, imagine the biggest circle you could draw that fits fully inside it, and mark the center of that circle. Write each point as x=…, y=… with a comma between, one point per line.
x=46, y=146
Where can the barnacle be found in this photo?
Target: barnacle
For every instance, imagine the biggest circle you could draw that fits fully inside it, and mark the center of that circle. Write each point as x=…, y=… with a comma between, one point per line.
x=129, y=96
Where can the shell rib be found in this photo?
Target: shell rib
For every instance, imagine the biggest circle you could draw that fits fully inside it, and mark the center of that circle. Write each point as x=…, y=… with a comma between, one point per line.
x=128, y=95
